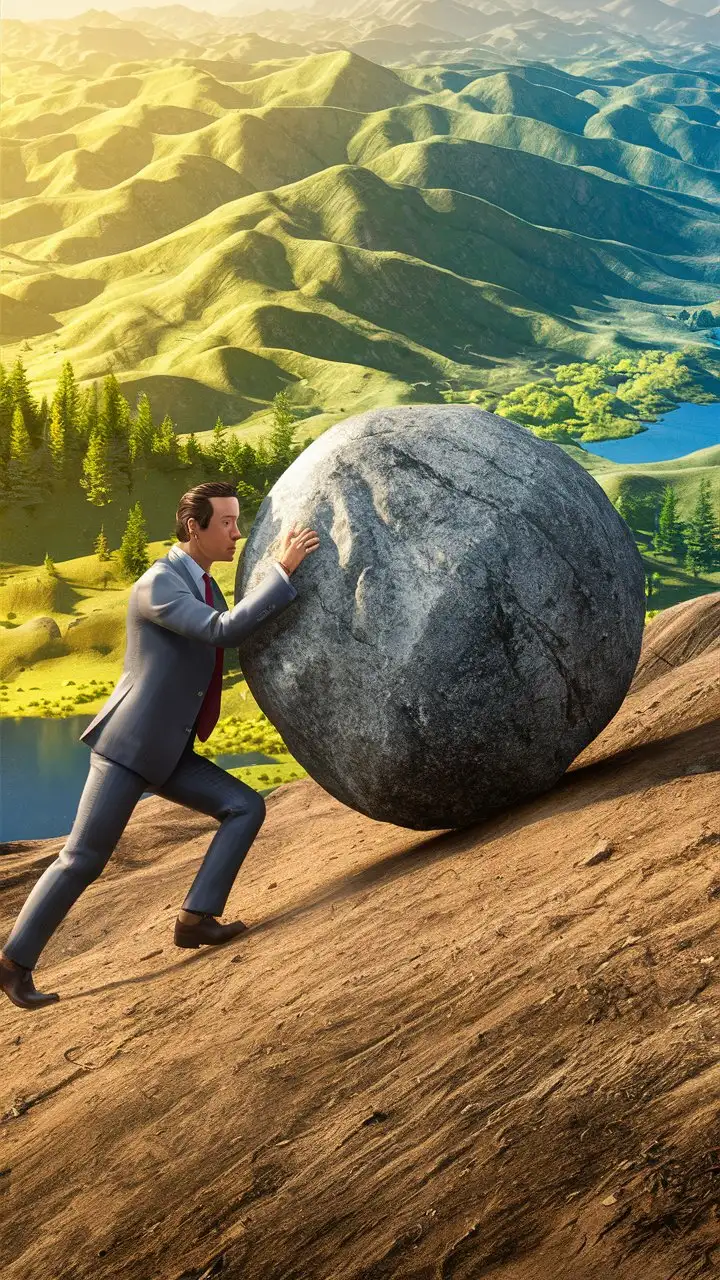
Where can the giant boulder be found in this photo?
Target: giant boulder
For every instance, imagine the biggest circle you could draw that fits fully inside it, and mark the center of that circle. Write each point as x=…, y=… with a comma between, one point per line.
x=470, y=622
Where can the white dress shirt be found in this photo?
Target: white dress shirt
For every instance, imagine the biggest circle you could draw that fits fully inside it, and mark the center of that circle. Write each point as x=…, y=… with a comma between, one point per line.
x=197, y=570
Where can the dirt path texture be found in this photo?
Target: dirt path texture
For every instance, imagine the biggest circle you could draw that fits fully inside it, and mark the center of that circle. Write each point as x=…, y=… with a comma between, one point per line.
x=440, y=1055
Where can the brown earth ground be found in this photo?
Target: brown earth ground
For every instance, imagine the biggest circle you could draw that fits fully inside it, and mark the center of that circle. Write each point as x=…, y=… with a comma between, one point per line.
x=467, y=1054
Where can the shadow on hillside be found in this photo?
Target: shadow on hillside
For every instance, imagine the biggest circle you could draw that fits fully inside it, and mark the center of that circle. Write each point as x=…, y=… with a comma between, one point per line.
x=668, y=756
x=194, y=406
x=619, y=775
x=684, y=585
x=668, y=759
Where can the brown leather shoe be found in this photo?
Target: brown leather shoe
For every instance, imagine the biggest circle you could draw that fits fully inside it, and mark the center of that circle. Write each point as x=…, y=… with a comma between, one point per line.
x=207, y=931
x=17, y=983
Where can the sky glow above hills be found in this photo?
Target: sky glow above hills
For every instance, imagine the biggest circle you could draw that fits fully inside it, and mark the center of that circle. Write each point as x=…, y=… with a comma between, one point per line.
x=33, y=10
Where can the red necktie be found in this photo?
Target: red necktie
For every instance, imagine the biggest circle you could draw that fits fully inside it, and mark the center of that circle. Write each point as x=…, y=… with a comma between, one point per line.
x=210, y=709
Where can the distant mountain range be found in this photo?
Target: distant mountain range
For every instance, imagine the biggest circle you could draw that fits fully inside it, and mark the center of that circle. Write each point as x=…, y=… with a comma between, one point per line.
x=549, y=29
x=216, y=213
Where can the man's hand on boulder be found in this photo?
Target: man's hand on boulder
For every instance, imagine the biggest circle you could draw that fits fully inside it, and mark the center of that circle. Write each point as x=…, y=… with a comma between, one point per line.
x=294, y=547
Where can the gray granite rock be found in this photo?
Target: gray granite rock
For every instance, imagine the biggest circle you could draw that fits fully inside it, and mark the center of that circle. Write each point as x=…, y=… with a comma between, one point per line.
x=470, y=622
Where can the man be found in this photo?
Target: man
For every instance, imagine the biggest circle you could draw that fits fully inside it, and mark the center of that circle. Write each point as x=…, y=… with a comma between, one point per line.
x=178, y=626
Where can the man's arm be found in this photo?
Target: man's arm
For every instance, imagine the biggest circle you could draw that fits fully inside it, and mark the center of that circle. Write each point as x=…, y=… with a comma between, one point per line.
x=168, y=601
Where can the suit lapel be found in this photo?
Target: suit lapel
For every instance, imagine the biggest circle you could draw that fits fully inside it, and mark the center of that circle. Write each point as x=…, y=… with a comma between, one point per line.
x=221, y=604
x=230, y=655
x=220, y=601
x=176, y=563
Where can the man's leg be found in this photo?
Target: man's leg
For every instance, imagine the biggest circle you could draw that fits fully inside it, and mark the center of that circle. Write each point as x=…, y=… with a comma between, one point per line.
x=201, y=785
x=108, y=799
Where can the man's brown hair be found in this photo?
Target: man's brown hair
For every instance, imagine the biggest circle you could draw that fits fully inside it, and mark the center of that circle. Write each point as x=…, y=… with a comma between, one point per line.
x=196, y=503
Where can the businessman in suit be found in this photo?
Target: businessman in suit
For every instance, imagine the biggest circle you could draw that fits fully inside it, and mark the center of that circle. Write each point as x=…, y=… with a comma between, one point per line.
x=178, y=626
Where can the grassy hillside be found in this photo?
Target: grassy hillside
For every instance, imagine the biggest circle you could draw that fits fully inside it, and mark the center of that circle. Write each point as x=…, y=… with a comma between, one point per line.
x=646, y=481
x=62, y=638
x=24, y=541
x=216, y=215
x=216, y=226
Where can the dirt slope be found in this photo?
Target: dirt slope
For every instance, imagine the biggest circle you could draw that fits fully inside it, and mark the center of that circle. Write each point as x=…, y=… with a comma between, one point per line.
x=469, y=1054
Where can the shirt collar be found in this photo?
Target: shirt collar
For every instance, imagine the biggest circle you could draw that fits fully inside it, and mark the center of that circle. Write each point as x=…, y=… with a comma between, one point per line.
x=176, y=553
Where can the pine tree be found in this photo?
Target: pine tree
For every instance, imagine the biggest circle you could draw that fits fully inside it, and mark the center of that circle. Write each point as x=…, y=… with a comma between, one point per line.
x=217, y=453
x=101, y=546
x=114, y=417
x=22, y=399
x=133, y=554
x=190, y=452
x=248, y=497
x=165, y=453
x=282, y=447
x=95, y=479
x=49, y=565
x=21, y=478
x=67, y=393
x=88, y=415
x=142, y=430
x=66, y=420
x=42, y=460
x=702, y=537
x=114, y=408
x=43, y=416
x=262, y=467
x=56, y=438
x=242, y=464
x=6, y=414
x=669, y=536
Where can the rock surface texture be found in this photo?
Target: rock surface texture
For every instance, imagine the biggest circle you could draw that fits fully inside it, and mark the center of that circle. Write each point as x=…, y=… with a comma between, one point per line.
x=471, y=621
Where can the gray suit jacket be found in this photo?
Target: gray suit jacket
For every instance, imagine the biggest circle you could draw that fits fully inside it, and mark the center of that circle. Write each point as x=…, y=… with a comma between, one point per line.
x=172, y=635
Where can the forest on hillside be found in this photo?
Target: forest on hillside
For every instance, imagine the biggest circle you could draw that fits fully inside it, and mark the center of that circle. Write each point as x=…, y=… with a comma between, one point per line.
x=92, y=438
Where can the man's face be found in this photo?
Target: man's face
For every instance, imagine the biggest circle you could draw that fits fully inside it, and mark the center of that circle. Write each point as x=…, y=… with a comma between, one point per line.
x=217, y=542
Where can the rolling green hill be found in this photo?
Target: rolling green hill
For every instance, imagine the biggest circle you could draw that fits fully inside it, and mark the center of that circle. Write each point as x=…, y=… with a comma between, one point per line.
x=214, y=227
x=216, y=214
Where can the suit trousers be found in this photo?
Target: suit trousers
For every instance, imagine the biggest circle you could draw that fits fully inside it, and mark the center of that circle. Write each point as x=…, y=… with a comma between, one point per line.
x=110, y=794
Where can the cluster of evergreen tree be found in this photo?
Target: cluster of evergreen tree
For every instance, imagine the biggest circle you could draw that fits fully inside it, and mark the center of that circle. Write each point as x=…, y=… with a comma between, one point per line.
x=695, y=543
x=92, y=437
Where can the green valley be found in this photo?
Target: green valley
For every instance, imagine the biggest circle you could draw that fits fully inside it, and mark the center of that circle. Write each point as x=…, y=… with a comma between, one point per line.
x=215, y=229
x=222, y=234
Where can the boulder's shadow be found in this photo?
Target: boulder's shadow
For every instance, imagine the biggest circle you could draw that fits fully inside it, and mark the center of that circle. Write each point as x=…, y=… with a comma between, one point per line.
x=668, y=759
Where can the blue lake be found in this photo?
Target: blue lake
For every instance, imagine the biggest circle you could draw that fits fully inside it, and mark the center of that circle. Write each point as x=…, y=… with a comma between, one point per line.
x=43, y=767
x=683, y=430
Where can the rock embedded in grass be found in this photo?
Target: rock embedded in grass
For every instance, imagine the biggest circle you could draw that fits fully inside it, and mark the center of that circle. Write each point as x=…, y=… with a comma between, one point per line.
x=470, y=622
